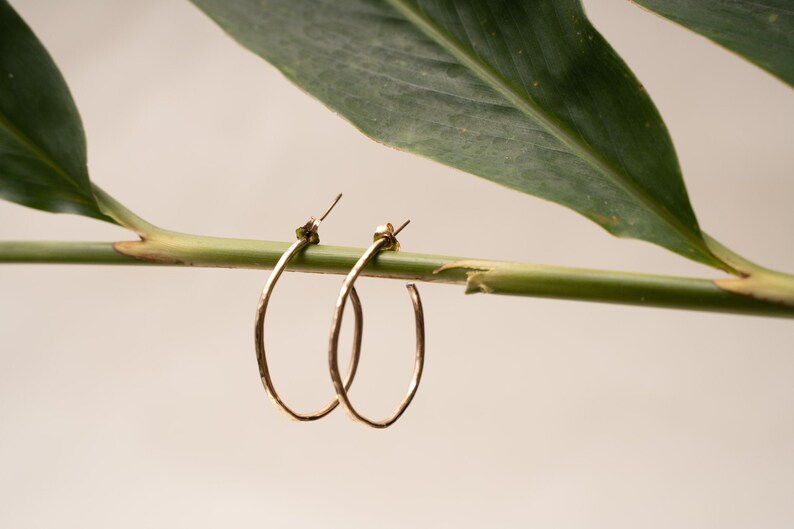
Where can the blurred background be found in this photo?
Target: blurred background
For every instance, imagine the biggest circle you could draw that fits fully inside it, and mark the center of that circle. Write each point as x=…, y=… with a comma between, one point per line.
x=130, y=396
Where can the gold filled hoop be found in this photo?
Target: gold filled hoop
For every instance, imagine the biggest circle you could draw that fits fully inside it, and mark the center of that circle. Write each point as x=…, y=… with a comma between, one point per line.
x=307, y=234
x=384, y=240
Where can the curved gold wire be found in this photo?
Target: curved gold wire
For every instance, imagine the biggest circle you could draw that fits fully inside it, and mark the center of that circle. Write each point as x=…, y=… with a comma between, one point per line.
x=385, y=239
x=307, y=234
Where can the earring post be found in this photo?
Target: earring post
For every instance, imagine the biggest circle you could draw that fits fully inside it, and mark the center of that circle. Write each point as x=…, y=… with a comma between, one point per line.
x=404, y=224
x=327, y=211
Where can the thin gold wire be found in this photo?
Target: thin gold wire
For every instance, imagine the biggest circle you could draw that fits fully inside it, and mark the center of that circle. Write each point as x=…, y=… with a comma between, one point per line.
x=384, y=240
x=307, y=234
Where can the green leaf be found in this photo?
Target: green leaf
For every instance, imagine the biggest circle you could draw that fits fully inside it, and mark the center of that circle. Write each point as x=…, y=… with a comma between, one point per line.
x=524, y=93
x=42, y=144
x=760, y=30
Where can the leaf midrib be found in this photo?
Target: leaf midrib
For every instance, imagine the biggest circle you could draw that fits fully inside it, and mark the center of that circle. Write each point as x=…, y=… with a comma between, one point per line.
x=528, y=106
x=37, y=151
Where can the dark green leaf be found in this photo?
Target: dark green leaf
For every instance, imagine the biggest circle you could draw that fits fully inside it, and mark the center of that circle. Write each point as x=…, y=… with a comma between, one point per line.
x=42, y=144
x=524, y=93
x=760, y=30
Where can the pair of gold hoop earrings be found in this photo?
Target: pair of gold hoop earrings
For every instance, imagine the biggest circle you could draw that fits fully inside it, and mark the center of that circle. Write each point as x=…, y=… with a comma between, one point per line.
x=385, y=239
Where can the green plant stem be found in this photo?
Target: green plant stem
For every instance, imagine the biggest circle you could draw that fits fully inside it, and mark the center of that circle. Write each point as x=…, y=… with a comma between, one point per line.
x=168, y=248
x=158, y=246
x=121, y=214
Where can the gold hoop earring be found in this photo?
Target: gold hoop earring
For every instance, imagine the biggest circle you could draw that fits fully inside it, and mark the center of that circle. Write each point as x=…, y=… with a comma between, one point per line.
x=385, y=240
x=307, y=234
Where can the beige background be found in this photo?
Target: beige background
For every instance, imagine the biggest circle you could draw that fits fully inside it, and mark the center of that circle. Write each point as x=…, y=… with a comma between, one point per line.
x=129, y=397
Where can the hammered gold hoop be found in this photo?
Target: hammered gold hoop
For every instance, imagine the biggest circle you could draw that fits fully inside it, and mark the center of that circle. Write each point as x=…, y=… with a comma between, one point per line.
x=307, y=234
x=385, y=240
